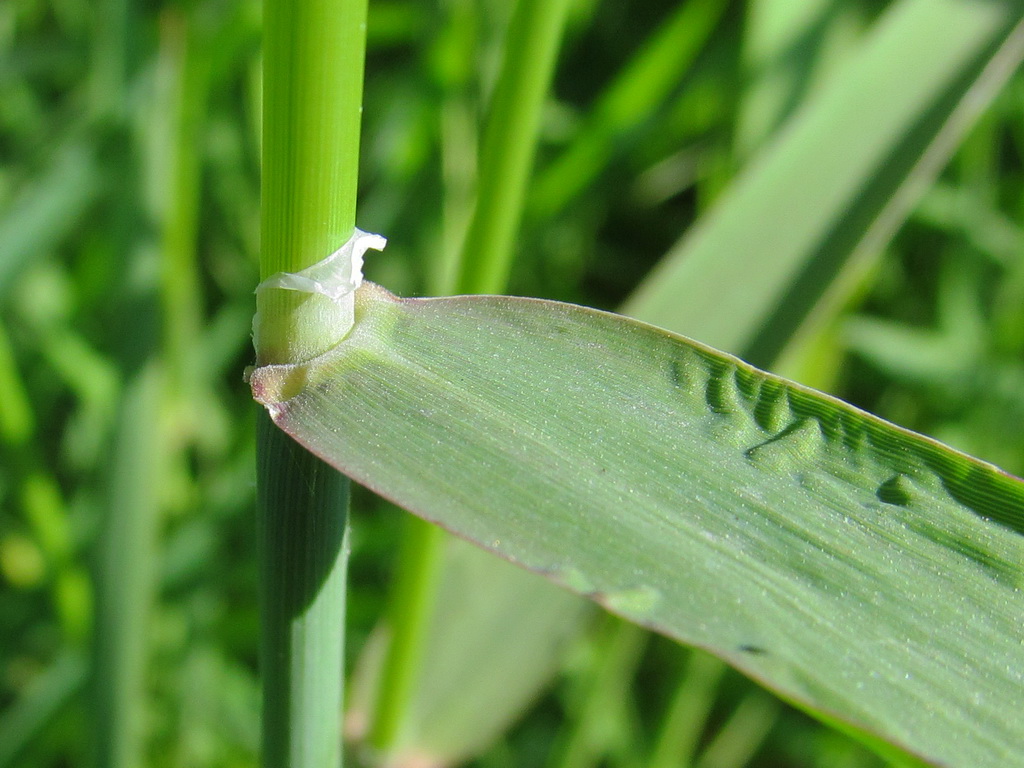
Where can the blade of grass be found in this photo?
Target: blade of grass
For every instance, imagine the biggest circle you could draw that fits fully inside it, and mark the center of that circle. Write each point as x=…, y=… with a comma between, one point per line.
x=630, y=100
x=805, y=542
x=964, y=104
x=312, y=100
x=507, y=149
x=789, y=50
x=125, y=575
x=863, y=136
x=509, y=143
x=40, y=702
x=498, y=635
x=687, y=714
x=47, y=209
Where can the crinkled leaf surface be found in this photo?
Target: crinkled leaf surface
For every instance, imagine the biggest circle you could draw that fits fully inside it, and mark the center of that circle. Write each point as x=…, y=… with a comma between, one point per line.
x=865, y=572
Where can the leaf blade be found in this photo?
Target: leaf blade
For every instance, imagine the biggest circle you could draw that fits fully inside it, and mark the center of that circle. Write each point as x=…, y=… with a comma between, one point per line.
x=691, y=493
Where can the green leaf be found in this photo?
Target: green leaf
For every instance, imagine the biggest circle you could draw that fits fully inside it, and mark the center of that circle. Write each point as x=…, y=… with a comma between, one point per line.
x=682, y=33
x=42, y=700
x=47, y=209
x=866, y=573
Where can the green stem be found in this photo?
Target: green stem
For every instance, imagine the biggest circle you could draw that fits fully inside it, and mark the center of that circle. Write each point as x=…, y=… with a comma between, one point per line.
x=411, y=608
x=600, y=725
x=313, y=76
x=688, y=712
x=312, y=101
x=304, y=548
x=510, y=141
x=125, y=575
x=506, y=159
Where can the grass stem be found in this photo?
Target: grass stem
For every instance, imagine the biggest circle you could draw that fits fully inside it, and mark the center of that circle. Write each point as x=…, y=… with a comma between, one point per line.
x=506, y=158
x=687, y=715
x=314, y=54
x=412, y=604
x=509, y=143
x=304, y=549
x=312, y=101
x=125, y=577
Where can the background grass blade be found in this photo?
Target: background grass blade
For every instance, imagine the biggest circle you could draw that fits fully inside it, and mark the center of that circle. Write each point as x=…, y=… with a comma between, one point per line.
x=49, y=694
x=789, y=50
x=478, y=638
x=805, y=206
x=47, y=209
x=811, y=545
x=687, y=714
x=126, y=574
x=628, y=102
x=425, y=662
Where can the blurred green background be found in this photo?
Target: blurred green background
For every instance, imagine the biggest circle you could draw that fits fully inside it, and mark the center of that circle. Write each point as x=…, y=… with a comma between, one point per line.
x=129, y=234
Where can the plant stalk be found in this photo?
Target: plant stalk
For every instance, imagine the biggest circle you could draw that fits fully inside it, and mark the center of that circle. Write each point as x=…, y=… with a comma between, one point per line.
x=125, y=575
x=303, y=541
x=507, y=150
x=314, y=54
x=509, y=143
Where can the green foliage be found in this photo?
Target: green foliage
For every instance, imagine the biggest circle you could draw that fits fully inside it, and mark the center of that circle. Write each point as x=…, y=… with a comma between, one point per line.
x=811, y=545
x=129, y=141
